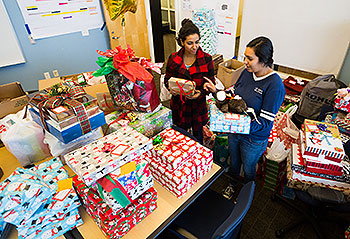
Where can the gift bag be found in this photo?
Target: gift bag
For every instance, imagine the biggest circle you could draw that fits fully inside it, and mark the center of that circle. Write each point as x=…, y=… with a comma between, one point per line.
x=130, y=84
x=221, y=152
x=285, y=128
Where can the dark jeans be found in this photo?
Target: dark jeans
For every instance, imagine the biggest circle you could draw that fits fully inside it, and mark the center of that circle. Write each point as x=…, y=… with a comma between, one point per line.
x=244, y=150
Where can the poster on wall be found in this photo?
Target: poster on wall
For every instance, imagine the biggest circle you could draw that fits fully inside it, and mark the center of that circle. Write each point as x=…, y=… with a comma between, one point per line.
x=225, y=14
x=47, y=18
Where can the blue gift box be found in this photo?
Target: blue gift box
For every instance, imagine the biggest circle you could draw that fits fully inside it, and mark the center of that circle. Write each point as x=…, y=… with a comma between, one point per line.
x=71, y=132
x=228, y=122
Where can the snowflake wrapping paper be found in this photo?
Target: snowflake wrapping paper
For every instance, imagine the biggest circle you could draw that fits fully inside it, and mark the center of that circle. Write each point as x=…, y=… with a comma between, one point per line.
x=95, y=160
x=119, y=188
x=116, y=225
x=228, y=122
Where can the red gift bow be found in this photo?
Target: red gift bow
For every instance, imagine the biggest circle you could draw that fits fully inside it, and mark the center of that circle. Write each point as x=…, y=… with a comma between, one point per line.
x=50, y=102
x=132, y=70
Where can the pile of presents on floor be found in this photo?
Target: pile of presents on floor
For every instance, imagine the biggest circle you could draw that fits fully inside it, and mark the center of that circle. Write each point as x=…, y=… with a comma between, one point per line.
x=315, y=153
x=115, y=156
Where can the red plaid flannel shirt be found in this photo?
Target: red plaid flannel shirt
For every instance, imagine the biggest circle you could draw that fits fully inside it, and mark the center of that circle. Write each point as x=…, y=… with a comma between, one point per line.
x=191, y=113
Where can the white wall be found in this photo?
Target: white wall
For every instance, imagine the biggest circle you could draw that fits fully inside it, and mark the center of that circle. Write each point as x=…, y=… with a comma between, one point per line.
x=310, y=35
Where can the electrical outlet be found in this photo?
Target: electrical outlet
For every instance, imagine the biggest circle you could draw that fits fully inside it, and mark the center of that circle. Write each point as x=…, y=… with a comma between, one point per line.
x=55, y=73
x=47, y=75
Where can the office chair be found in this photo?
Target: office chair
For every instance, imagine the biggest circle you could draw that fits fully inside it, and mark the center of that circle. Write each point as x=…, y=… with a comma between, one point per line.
x=320, y=201
x=213, y=216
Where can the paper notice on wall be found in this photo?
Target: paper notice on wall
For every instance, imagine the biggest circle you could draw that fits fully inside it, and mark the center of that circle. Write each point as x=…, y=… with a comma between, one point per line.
x=186, y=4
x=226, y=25
x=47, y=18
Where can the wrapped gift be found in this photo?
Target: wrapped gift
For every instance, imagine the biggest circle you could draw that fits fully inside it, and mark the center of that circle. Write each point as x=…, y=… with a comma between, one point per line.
x=71, y=132
x=302, y=180
x=61, y=111
x=323, y=139
x=148, y=124
x=130, y=84
x=116, y=225
x=182, y=86
x=119, y=188
x=95, y=160
x=228, y=122
x=32, y=201
x=173, y=148
x=180, y=179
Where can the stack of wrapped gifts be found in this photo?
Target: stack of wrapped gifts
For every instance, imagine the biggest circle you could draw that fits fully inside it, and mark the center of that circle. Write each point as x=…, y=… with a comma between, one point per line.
x=114, y=180
x=39, y=202
x=148, y=124
x=318, y=156
x=178, y=162
x=66, y=111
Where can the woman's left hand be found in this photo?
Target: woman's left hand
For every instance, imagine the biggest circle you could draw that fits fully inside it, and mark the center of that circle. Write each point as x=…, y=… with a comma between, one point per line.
x=209, y=85
x=196, y=94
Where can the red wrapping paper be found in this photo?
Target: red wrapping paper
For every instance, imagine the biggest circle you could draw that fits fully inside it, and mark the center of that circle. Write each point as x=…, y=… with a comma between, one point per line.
x=115, y=225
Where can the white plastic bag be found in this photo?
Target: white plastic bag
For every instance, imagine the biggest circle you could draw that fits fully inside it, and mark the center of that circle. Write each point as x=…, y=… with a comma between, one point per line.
x=23, y=138
x=164, y=93
x=277, y=152
x=58, y=148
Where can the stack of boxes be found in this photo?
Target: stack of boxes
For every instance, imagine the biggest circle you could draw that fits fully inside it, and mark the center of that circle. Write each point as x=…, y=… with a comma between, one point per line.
x=62, y=121
x=114, y=180
x=178, y=162
x=318, y=156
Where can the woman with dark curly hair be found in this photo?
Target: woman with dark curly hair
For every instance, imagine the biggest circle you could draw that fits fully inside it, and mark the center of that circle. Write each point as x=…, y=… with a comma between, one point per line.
x=190, y=63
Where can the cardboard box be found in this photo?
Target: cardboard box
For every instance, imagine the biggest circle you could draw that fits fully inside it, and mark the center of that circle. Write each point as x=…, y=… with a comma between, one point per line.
x=12, y=98
x=229, y=72
x=89, y=89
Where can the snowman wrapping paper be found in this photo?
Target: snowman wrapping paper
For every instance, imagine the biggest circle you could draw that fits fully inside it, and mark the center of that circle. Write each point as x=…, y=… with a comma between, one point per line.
x=28, y=200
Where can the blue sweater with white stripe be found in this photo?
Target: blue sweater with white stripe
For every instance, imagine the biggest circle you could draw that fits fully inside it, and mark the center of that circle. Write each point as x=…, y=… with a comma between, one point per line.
x=265, y=96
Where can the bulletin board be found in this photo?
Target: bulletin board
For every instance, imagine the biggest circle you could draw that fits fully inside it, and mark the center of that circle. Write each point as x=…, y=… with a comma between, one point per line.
x=10, y=50
x=308, y=35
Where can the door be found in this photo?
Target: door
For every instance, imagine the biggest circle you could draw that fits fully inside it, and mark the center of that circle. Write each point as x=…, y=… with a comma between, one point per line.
x=135, y=32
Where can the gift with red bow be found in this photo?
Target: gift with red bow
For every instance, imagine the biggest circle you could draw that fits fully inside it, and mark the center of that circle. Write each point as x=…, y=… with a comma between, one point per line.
x=130, y=83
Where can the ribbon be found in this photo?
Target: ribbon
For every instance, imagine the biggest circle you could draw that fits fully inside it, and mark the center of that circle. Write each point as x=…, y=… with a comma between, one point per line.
x=182, y=92
x=122, y=60
x=146, y=63
x=61, y=94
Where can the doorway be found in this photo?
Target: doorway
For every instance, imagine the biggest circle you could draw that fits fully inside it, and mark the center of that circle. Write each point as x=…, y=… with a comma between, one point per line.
x=163, y=28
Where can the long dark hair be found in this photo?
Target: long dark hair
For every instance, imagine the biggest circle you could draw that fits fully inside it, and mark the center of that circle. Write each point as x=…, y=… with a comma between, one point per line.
x=187, y=28
x=263, y=49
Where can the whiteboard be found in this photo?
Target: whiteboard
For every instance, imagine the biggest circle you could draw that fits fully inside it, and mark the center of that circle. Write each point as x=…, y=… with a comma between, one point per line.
x=310, y=35
x=10, y=50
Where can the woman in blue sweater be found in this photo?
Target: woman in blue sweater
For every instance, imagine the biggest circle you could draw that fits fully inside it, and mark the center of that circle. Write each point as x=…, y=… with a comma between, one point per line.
x=262, y=89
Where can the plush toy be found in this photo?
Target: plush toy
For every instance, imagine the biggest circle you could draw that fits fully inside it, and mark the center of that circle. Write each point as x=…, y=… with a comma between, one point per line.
x=228, y=103
x=344, y=93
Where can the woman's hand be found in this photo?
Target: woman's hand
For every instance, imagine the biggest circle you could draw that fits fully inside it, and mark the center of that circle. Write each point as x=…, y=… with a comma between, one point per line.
x=196, y=94
x=209, y=85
